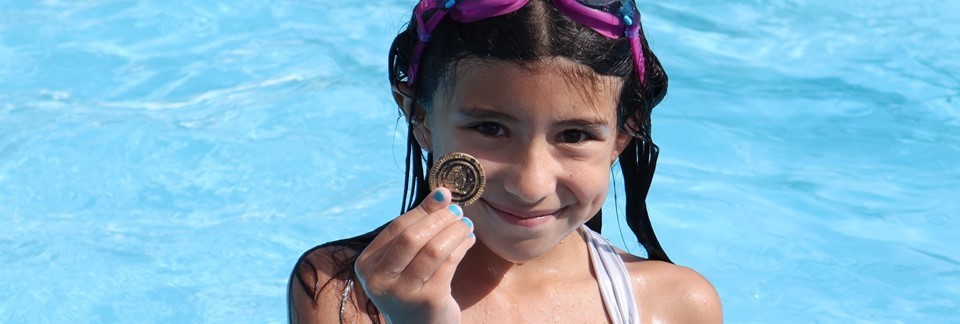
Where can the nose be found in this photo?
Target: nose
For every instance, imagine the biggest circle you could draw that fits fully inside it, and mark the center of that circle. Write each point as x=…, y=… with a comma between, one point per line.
x=533, y=174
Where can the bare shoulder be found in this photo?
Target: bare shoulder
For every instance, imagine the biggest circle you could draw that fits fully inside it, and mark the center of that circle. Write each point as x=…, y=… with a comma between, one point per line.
x=672, y=294
x=315, y=292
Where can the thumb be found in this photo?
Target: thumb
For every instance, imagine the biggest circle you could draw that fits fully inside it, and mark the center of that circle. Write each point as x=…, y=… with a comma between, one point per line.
x=437, y=199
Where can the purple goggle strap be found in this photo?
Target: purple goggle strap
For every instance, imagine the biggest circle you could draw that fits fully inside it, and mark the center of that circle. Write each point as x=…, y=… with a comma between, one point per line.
x=465, y=11
x=607, y=24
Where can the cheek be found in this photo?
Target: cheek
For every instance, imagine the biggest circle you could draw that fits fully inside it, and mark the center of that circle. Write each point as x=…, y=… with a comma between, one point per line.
x=448, y=138
x=589, y=184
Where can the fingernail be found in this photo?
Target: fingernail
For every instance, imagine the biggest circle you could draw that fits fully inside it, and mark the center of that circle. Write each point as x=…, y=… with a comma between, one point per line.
x=467, y=221
x=438, y=195
x=455, y=210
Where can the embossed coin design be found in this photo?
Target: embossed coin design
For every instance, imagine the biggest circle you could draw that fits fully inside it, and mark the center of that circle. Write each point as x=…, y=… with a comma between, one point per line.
x=462, y=174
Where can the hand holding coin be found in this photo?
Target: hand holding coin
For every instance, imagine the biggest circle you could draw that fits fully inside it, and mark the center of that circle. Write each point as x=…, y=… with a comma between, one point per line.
x=408, y=268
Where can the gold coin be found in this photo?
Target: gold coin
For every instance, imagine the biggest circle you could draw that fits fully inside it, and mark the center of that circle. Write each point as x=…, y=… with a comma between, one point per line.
x=462, y=174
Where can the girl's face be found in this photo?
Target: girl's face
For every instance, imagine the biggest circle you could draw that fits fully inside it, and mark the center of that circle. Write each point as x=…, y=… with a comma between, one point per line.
x=546, y=135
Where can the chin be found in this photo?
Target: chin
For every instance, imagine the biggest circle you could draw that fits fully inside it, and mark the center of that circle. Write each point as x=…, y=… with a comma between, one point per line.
x=522, y=250
x=520, y=239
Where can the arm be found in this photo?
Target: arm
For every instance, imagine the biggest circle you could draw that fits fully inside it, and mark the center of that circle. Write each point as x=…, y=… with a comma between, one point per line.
x=674, y=294
x=316, y=286
x=696, y=300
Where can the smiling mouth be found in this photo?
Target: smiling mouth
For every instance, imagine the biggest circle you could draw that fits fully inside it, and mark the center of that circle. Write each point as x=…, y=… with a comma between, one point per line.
x=524, y=219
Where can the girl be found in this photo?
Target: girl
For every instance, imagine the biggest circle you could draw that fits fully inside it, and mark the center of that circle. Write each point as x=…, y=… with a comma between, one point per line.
x=547, y=95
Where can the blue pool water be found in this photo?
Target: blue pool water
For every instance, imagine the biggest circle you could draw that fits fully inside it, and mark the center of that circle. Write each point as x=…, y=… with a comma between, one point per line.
x=165, y=162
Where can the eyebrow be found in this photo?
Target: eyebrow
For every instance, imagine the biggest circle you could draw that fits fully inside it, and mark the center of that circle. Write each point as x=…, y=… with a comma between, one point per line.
x=594, y=124
x=483, y=113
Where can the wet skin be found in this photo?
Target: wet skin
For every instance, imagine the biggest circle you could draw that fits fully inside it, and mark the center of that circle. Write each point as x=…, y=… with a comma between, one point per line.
x=546, y=141
x=546, y=136
x=546, y=145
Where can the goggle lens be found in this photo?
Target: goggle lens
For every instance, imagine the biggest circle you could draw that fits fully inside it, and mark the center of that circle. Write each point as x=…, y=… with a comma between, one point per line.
x=599, y=4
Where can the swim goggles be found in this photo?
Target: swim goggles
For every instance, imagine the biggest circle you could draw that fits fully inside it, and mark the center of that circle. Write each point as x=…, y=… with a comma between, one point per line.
x=611, y=18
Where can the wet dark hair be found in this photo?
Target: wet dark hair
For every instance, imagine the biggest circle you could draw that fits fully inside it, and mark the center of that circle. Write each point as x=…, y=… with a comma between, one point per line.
x=531, y=34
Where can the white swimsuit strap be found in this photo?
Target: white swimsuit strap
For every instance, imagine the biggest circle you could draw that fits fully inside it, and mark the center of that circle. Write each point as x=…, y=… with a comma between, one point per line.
x=614, y=280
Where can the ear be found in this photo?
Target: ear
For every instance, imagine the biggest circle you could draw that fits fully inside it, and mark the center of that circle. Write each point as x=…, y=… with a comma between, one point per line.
x=421, y=133
x=403, y=96
x=620, y=144
x=416, y=118
x=623, y=138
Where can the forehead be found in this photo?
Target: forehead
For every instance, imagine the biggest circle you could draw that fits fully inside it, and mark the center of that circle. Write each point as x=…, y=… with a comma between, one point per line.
x=557, y=86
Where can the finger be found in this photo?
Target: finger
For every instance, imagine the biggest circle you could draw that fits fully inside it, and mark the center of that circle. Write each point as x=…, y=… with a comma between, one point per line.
x=437, y=251
x=443, y=275
x=436, y=200
x=404, y=248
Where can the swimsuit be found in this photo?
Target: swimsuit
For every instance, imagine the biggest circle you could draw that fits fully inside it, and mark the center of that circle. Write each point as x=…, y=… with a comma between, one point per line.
x=614, y=280
x=612, y=276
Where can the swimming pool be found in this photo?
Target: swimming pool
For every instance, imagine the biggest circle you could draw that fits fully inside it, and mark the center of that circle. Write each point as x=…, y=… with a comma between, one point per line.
x=169, y=163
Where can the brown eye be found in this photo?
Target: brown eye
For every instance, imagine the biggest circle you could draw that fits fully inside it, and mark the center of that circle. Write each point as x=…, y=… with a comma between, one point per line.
x=490, y=129
x=573, y=136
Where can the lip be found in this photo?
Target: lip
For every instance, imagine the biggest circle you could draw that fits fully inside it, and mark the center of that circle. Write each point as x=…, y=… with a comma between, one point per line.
x=527, y=219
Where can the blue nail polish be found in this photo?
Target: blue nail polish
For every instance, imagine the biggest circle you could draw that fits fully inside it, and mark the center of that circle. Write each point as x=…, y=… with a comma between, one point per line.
x=467, y=221
x=455, y=210
x=438, y=196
